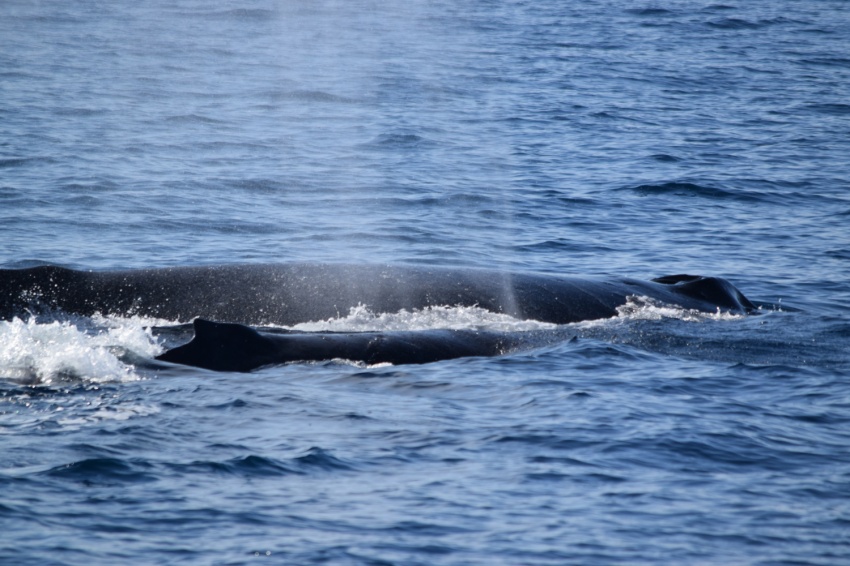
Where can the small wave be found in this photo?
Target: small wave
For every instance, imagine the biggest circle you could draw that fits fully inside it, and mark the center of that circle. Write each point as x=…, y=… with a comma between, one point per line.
x=399, y=141
x=843, y=254
x=103, y=471
x=648, y=12
x=77, y=111
x=733, y=23
x=831, y=109
x=842, y=62
x=693, y=190
x=741, y=24
x=17, y=161
x=240, y=14
x=312, y=96
x=105, y=412
x=57, y=17
x=246, y=466
x=665, y=158
x=721, y=451
x=10, y=75
x=256, y=466
x=96, y=187
x=361, y=319
x=193, y=118
x=317, y=458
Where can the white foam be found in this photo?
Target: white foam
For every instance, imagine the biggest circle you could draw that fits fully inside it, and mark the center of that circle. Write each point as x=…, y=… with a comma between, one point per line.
x=106, y=412
x=361, y=319
x=36, y=352
x=646, y=308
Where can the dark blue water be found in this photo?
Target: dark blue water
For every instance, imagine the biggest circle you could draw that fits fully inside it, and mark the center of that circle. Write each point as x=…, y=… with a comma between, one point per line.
x=584, y=138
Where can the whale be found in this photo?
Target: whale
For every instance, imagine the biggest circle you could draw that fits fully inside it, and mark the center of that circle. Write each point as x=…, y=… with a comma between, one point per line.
x=287, y=294
x=231, y=347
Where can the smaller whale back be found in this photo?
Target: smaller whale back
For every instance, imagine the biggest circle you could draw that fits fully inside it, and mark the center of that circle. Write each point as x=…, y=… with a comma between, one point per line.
x=235, y=347
x=223, y=347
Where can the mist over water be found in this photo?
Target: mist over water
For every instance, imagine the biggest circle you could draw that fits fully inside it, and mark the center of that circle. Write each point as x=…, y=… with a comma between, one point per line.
x=590, y=138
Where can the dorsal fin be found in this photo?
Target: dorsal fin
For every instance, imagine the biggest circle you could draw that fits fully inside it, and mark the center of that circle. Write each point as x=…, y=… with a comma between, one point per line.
x=673, y=279
x=713, y=290
x=221, y=346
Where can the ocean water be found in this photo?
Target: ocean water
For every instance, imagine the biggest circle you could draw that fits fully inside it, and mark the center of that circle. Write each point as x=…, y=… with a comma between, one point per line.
x=584, y=138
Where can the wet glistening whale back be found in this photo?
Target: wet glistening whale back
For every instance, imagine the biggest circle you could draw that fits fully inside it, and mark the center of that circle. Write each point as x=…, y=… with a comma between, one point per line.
x=235, y=347
x=287, y=294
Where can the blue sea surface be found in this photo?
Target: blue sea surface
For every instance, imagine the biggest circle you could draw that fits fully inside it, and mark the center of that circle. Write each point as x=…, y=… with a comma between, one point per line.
x=583, y=138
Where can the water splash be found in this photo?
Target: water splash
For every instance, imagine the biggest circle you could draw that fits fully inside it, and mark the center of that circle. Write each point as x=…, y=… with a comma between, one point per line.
x=645, y=308
x=90, y=350
x=361, y=319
